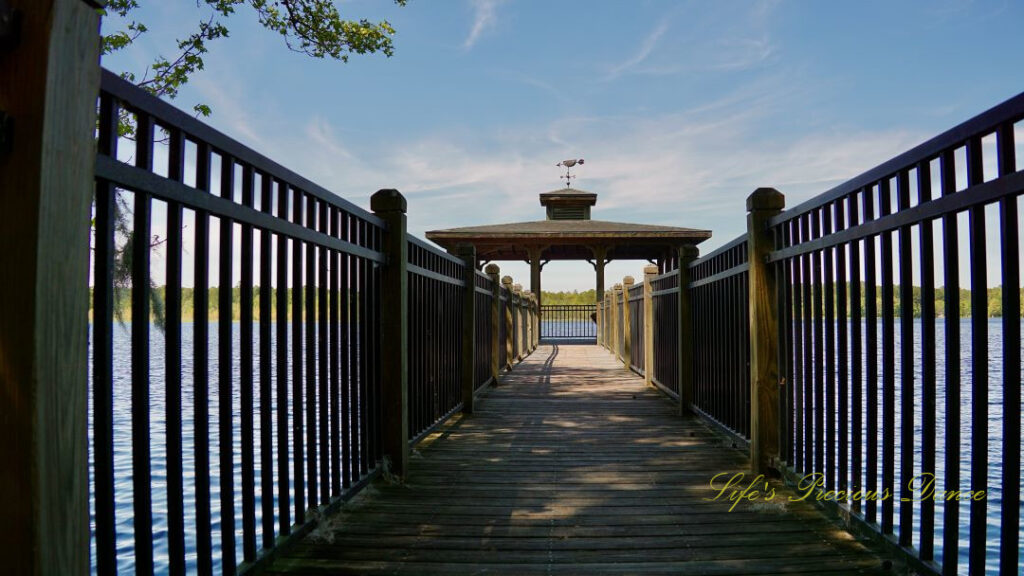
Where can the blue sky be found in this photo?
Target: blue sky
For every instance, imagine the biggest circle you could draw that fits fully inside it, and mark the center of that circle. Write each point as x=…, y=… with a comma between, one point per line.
x=681, y=109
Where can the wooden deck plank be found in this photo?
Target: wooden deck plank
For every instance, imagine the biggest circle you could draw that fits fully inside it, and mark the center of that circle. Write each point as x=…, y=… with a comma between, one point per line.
x=574, y=466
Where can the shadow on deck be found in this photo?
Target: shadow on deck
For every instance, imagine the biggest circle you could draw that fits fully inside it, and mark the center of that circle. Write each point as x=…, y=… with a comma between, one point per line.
x=574, y=466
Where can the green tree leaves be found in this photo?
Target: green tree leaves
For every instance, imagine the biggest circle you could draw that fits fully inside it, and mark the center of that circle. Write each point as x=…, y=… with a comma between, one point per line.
x=311, y=27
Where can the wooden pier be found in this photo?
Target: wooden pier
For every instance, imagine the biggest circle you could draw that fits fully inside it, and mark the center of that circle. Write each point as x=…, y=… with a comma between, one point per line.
x=573, y=466
x=380, y=404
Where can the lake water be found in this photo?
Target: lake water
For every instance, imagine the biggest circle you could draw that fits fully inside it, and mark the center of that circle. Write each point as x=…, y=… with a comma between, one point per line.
x=995, y=431
x=123, y=488
x=122, y=442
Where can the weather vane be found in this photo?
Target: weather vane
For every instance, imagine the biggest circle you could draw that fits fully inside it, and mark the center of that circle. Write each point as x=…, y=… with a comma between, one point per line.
x=569, y=164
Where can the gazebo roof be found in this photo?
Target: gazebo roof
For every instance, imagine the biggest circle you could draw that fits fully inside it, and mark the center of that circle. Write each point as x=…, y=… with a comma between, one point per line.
x=588, y=229
x=568, y=233
x=568, y=196
x=569, y=239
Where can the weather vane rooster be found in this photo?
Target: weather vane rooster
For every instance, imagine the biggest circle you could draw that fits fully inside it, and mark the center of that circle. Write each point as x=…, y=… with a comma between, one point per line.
x=569, y=164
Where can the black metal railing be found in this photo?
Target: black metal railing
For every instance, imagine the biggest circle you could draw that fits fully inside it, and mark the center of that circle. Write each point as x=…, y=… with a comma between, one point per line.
x=665, y=307
x=721, y=324
x=248, y=422
x=570, y=321
x=503, y=331
x=436, y=289
x=483, y=297
x=899, y=351
x=236, y=350
x=635, y=301
x=887, y=366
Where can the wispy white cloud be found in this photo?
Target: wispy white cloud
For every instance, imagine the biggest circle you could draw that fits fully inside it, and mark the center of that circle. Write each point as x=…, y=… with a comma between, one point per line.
x=641, y=54
x=692, y=167
x=485, y=17
x=703, y=42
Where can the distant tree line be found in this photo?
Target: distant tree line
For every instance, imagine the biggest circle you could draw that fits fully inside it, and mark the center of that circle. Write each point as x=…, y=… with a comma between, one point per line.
x=994, y=309
x=995, y=300
x=122, y=304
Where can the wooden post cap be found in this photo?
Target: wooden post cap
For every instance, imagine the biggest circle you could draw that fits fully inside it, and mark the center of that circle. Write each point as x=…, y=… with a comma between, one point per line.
x=650, y=270
x=689, y=251
x=765, y=199
x=494, y=270
x=628, y=281
x=617, y=287
x=388, y=200
x=507, y=280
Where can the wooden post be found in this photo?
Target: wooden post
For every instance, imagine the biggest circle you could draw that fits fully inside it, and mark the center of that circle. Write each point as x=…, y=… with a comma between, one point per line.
x=686, y=255
x=609, y=319
x=390, y=206
x=649, y=273
x=49, y=83
x=510, y=323
x=535, y=255
x=528, y=297
x=617, y=321
x=527, y=322
x=762, y=204
x=530, y=320
x=536, y=321
x=467, y=252
x=627, y=323
x=494, y=273
x=600, y=258
x=517, y=289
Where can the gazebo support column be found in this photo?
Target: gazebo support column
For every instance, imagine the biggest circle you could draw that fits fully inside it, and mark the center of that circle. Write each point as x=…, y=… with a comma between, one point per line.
x=600, y=259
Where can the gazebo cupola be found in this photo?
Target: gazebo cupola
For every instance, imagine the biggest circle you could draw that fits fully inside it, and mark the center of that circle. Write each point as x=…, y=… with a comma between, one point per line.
x=568, y=204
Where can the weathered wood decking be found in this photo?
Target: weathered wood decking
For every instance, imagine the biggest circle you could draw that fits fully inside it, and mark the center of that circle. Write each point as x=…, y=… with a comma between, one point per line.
x=573, y=466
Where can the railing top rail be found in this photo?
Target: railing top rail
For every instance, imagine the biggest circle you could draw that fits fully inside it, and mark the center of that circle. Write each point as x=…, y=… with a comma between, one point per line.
x=983, y=124
x=169, y=116
x=719, y=251
x=434, y=250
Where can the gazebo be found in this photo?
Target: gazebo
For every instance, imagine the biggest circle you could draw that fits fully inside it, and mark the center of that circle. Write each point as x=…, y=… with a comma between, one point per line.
x=568, y=233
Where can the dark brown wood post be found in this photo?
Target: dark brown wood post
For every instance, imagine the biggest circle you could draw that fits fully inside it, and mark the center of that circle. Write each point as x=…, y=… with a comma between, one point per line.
x=686, y=255
x=627, y=323
x=49, y=82
x=762, y=204
x=510, y=323
x=467, y=252
x=600, y=258
x=390, y=205
x=535, y=269
x=649, y=273
x=494, y=273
